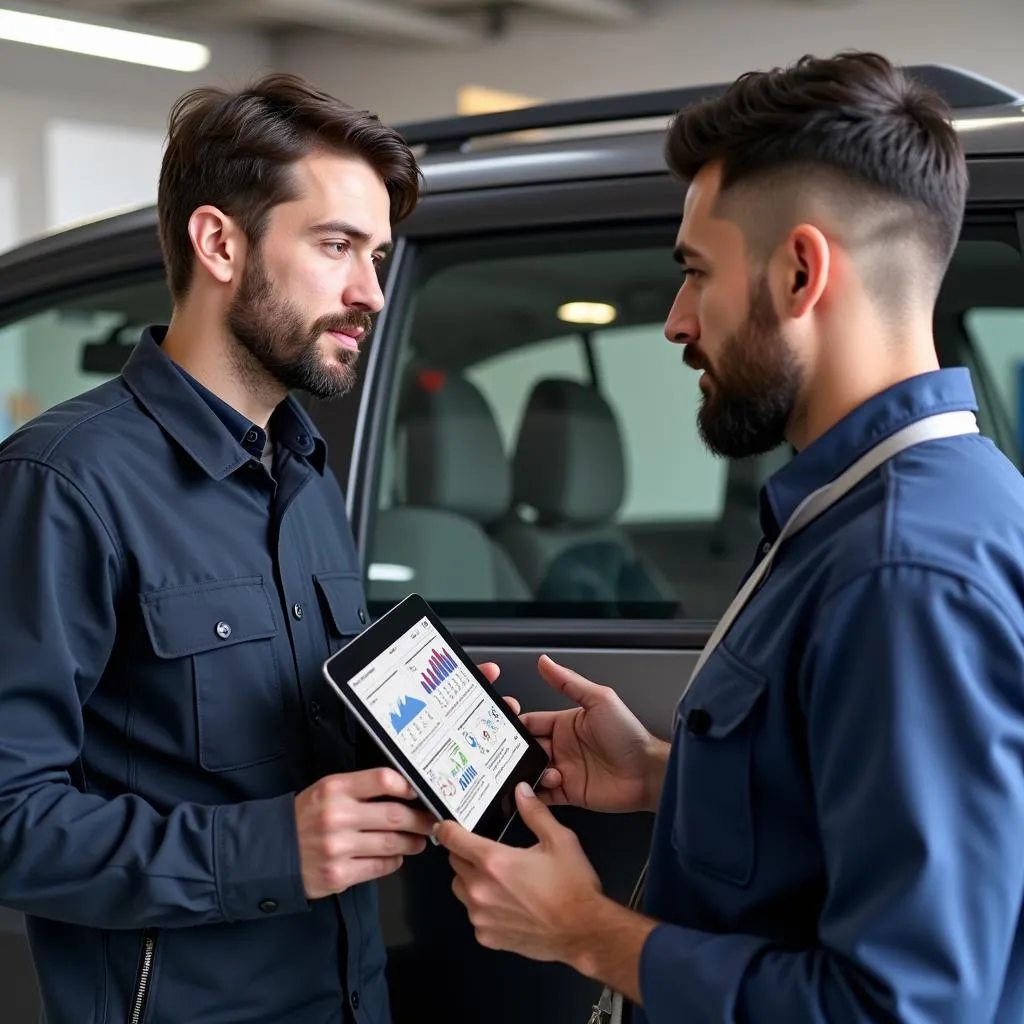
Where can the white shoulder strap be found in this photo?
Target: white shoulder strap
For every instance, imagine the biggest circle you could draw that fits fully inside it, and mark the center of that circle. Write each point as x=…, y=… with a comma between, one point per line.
x=609, y=1008
x=946, y=424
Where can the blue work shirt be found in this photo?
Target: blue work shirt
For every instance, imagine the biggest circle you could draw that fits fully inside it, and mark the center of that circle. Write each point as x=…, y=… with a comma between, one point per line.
x=252, y=437
x=841, y=830
x=167, y=606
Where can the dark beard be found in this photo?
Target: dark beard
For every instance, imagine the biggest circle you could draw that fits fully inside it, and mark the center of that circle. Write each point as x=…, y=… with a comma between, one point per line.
x=271, y=329
x=755, y=385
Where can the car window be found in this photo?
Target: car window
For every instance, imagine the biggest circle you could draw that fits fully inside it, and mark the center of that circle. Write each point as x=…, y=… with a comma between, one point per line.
x=997, y=340
x=542, y=453
x=74, y=345
x=552, y=469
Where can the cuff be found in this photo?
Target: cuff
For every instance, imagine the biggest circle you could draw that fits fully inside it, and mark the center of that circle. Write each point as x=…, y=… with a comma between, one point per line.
x=682, y=968
x=256, y=859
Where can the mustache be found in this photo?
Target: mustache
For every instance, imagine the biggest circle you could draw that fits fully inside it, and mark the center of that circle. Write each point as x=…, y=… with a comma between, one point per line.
x=696, y=361
x=344, y=321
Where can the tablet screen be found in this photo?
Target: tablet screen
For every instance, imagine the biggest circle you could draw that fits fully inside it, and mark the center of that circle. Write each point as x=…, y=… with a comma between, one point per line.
x=442, y=719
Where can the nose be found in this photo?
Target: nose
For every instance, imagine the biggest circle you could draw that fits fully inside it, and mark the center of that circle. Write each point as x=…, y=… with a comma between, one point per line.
x=363, y=291
x=682, y=326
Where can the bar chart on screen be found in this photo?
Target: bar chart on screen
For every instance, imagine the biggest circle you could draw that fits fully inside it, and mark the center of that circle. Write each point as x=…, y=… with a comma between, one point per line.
x=440, y=666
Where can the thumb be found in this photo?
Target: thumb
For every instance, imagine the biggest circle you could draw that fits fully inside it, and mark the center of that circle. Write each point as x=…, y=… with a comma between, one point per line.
x=577, y=688
x=535, y=814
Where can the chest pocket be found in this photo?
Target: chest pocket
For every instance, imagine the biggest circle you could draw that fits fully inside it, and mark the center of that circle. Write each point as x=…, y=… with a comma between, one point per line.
x=714, y=821
x=223, y=631
x=343, y=606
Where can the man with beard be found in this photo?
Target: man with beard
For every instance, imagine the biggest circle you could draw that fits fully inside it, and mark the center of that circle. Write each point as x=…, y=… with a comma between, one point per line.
x=840, y=812
x=187, y=819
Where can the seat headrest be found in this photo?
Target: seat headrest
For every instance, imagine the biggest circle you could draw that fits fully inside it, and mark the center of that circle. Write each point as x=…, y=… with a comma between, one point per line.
x=452, y=456
x=569, y=462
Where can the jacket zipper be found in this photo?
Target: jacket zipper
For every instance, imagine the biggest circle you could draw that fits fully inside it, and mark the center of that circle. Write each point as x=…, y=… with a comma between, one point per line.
x=143, y=978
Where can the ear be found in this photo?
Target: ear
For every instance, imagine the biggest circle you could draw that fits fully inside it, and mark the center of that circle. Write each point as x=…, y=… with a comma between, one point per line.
x=218, y=243
x=804, y=270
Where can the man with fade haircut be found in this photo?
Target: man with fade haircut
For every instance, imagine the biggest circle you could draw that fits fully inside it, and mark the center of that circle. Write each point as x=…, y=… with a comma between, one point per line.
x=839, y=816
x=188, y=819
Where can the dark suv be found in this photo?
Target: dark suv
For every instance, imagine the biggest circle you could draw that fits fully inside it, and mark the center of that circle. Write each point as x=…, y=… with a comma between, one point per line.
x=522, y=448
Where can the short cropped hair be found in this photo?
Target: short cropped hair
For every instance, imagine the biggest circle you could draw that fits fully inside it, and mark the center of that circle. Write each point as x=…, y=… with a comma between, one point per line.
x=855, y=123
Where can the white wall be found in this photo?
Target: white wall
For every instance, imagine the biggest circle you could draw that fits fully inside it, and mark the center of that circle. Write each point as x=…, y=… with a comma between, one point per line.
x=685, y=42
x=117, y=112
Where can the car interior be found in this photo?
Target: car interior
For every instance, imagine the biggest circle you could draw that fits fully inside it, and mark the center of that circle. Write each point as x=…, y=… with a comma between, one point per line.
x=557, y=465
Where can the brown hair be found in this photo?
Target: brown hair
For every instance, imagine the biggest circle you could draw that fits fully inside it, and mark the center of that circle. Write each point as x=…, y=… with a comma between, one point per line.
x=234, y=150
x=855, y=117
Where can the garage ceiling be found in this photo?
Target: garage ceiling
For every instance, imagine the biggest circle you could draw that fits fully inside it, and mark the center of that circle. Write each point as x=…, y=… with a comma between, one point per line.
x=432, y=22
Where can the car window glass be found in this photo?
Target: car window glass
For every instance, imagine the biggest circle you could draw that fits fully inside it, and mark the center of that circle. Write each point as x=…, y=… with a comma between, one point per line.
x=551, y=469
x=997, y=335
x=74, y=345
x=556, y=463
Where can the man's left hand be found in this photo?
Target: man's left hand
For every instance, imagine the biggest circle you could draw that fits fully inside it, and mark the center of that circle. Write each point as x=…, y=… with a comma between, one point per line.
x=528, y=901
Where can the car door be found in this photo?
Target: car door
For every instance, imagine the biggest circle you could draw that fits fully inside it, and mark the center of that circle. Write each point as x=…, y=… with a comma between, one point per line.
x=541, y=481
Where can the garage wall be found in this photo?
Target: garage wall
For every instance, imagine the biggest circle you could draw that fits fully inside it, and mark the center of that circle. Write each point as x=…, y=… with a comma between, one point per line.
x=80, y=136
x=682, y=42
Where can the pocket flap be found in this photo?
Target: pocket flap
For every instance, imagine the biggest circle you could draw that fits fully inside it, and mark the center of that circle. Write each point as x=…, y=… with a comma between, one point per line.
x=724, y=693
x=204, y=616
x=344, y=604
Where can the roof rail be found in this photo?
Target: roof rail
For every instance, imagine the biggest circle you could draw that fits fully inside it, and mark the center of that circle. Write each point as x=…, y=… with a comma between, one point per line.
x=962, y=90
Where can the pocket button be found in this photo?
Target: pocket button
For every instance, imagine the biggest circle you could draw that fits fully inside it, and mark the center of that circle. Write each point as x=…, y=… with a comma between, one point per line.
x=698, y=722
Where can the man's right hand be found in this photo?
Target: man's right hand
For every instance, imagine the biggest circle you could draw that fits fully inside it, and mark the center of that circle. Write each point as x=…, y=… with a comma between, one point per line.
x=348, y=834
x=602, y=757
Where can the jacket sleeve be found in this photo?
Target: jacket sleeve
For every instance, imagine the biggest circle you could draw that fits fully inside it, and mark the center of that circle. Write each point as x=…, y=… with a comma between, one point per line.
x=914, y=703
x=67, y=854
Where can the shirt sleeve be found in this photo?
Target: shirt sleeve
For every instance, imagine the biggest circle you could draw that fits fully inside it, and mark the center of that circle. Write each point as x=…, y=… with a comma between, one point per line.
x=913, y=691
x=67, y=854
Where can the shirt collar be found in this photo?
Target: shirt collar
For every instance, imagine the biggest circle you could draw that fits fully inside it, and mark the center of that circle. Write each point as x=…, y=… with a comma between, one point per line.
x=947, y=390
x=200, y=426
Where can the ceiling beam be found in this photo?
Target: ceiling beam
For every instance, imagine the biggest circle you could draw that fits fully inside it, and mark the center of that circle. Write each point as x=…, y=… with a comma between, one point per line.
x=384, y=19
x=611, y=12
x=375, y=17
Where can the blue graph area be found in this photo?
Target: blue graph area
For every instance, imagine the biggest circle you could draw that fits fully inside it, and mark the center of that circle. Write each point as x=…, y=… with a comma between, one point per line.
x=408, y=709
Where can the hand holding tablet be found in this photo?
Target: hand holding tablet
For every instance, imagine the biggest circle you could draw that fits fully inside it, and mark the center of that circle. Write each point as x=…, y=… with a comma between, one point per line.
x=434, y=715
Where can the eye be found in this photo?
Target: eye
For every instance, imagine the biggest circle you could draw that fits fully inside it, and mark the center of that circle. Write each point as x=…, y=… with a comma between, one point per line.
x=693, y=272
x=337, y=248
x=379, y=258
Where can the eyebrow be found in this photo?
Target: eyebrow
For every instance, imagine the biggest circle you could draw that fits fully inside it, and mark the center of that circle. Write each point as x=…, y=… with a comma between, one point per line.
x=340, y=227
x=684, y=252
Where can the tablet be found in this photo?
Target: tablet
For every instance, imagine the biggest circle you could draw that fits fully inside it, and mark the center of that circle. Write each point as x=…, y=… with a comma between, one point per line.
x=437, y=719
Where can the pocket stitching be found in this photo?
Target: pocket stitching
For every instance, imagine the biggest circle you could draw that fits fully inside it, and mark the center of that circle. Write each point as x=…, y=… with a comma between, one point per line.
x=693, y=858
x=277, y=692
x=162, y=650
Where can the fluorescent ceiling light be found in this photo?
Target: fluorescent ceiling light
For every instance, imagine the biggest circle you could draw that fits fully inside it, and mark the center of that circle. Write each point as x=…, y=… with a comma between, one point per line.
x=479, y=99
x=99, y=41
x=976, y=123
x=587, y=313
x=387, y=573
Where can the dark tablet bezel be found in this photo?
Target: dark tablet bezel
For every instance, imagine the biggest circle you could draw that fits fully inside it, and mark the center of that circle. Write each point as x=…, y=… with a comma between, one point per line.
x=352, y=659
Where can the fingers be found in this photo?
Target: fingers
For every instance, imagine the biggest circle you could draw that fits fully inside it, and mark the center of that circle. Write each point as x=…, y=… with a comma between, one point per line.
x=490, y=671
x=540, y=723
x=461, y=842
x=384, y=816
x=366, y=869
x=577, y=688
x=384, y=845
x=514, y=705
x=460, y=866
x=535, y=814
x=551, y=779
x=367, y=785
